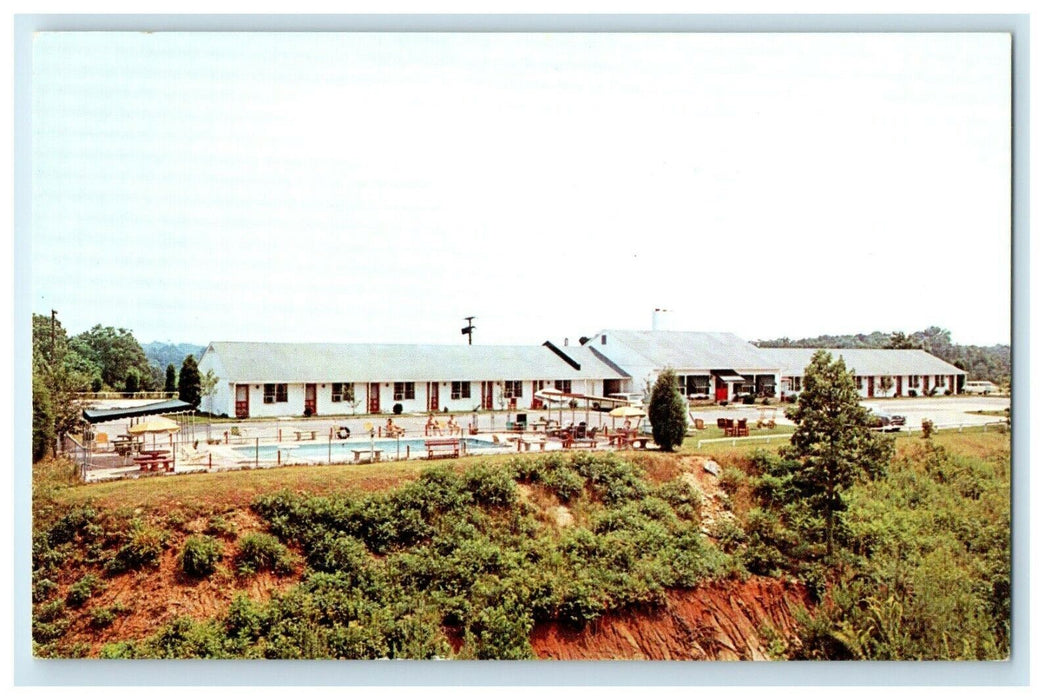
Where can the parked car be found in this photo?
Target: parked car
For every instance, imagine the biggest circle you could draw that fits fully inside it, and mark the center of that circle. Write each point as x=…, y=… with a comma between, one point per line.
x=633, y=398
x=887, y=422
x=980, y=387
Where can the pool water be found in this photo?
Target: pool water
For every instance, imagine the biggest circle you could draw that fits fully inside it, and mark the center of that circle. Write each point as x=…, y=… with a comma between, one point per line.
x=342, y=451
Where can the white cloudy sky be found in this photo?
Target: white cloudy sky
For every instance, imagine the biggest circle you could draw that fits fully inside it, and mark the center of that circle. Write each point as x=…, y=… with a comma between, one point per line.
x=379, y=187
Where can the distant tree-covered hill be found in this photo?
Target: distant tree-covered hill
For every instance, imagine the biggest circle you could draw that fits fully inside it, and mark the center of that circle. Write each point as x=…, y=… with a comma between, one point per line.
x=989, y=362
x=163, y=354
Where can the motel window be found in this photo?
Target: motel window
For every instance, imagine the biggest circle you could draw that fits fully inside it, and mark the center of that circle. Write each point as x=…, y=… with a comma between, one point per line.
x=275, y=393
x=939, y=381
x=857, y=383
x=564, y=385
x=461, y=390
x=342, y=391
x=404, y=391
x=513, y=389
x=914, y=381
x=698, y=384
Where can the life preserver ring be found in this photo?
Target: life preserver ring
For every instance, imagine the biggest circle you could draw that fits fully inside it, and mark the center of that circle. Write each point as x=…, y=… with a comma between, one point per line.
x=343, y=433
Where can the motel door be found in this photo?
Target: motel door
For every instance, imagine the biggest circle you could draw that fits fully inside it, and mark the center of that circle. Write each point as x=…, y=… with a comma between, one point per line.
x=721, y=390
x=872, y=387
x=899, y=387
x=241, y=401
x=432, y=396
x=487, y=396
x=310, y=403
x=374, y=398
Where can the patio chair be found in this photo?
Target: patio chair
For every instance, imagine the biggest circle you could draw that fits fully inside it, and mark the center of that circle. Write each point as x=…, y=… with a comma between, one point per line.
x=728, y=428
x=742, y=427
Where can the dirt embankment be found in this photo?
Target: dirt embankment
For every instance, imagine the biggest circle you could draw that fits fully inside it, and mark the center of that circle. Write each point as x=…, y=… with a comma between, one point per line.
x=721, y=622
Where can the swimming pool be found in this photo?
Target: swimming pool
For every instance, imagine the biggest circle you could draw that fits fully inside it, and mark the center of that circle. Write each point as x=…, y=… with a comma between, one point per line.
x=343, y=451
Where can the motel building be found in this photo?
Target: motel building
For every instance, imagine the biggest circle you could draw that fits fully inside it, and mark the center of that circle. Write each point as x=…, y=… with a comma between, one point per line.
x=709, y=366
x=319, y=379
x=878, y=373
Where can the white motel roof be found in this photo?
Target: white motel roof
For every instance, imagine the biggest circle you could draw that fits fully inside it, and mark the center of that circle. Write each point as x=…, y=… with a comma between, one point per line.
x=865, y=362
x=335, y=362
x=686, y=350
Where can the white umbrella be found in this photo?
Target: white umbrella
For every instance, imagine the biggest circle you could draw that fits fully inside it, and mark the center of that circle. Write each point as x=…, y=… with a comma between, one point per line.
x=628, y=412
x=154, y=426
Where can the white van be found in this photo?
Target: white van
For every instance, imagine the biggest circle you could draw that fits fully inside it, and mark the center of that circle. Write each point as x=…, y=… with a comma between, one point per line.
x=980, y=387
x=633, y=398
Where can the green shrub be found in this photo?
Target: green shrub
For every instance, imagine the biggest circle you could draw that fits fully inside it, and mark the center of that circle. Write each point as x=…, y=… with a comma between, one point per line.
x=262, y=552
x=199, y=556
x=218, y=526
x=143, y=548
x=43, y=588
x=83, y=589
x=490, y=485
x=66, y=528
x=100, y=618
x=564, y=482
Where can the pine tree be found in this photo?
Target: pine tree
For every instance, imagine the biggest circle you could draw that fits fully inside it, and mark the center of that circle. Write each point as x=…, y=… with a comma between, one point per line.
x=667, y=412
x=190, y=382
x=832, y=445
x=169, y=378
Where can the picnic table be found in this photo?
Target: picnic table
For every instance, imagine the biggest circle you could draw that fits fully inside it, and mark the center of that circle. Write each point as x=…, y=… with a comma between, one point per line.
x=153, y=460
x=125, y=445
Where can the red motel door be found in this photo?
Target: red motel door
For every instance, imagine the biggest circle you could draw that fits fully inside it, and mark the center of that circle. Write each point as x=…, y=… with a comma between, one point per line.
x=374, y=398
x=241, y=401
x=432, y=396
x=310, y=403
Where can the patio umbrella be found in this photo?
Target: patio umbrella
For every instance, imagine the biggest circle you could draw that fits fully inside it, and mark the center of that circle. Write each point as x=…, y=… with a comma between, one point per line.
x=155, y=425
x=628, y=412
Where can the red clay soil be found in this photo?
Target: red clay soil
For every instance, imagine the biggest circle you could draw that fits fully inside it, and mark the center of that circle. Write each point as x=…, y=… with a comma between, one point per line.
x=153, y=597
x=719, y=622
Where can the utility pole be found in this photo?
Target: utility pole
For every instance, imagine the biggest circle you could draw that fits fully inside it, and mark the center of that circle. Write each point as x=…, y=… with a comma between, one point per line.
x=468, y=330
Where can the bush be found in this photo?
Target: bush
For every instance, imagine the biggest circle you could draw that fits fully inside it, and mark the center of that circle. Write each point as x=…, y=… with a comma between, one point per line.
x=43, y=588
x=667, y=412
x=490, y=485
x=565, y=483
x=199, y=556
x=143, y=549
x=262, y=552
x=748, y=399
x=398, y=408
x=928, y=428
x=83, y=589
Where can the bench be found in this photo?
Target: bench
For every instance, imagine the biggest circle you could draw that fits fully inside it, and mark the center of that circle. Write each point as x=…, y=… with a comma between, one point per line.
x=527, y=443
x=374, y=455
x=301, y=433
x=442, y=446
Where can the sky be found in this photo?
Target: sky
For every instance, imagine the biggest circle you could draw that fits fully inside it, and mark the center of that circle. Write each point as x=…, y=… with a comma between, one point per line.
x=381, y=187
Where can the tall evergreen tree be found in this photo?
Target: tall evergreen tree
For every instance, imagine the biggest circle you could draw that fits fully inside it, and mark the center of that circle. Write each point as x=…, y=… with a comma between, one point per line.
x=190, y=382
x=667, y=412
x=169, y=378
x=832, y=445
